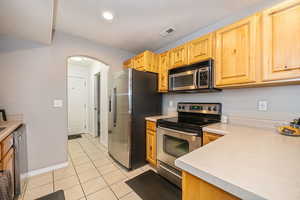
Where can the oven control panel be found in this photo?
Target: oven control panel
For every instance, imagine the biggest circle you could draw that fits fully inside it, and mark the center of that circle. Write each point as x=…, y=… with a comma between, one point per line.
x=205, y=108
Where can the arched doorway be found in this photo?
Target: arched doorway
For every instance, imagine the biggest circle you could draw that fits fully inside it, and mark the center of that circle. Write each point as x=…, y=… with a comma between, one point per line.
x=87, y=81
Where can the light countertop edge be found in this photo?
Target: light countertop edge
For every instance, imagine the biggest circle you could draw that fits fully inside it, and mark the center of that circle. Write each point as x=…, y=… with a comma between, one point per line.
x=157, y=117
x=228, y=187
x=215, y=130
x=10, y=126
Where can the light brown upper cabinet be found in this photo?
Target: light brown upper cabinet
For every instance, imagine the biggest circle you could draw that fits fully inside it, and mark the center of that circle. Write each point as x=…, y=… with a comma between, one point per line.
x=128, y=63
x=236, y=47
x=163, y=64
x=146, y=61
x=281, y=41
x=179, y=56
x=200, y=48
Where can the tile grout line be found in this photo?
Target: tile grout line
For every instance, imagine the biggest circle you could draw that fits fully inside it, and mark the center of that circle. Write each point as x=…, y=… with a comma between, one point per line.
x=77, y=174
x=100, y=172
x=119, y=168
x=108, y=186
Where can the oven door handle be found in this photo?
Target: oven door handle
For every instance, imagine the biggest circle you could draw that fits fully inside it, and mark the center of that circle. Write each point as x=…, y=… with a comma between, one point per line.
x=170, y=171
x=182, y=132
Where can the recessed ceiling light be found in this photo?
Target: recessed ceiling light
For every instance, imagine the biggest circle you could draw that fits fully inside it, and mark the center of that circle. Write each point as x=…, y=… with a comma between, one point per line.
x=107, y=15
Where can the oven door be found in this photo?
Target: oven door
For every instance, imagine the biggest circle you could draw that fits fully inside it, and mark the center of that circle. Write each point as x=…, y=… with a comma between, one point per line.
x=172, y=144
x=183, y=81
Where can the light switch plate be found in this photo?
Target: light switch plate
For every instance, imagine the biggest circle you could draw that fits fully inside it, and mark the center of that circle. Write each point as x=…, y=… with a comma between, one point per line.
x=58, y=103
x=262, y=105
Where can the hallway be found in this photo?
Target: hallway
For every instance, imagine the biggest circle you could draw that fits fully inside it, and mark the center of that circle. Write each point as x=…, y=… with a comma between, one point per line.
x=91, y=175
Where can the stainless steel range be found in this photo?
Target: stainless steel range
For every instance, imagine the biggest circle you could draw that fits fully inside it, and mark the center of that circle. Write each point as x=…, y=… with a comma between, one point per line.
x=183, y=134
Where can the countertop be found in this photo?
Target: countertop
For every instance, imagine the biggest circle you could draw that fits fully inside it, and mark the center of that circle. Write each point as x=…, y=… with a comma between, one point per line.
x=10, y=126
x=250, y=163
x=157, y=117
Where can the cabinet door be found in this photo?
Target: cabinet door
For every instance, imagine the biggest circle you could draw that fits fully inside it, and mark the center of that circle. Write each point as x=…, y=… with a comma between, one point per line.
x=151, y=126
x=140, y=62
x=235, y=52
x=151, y=147
x=178, y=56
x=281, y=41
x=146, y=61
x=194, y=188
x=8, y=165
x=163, y=72
x=200, y=49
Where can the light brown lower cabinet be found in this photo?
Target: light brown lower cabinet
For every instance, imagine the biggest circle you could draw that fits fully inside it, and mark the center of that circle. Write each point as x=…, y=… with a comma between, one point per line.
x=194, y=188
x=210, y=137
x=151, y=142
x=7, y=164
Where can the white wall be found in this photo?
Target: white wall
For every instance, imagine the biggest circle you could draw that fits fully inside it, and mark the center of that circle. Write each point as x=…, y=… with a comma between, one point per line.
x=283, y=102
x=32, y=76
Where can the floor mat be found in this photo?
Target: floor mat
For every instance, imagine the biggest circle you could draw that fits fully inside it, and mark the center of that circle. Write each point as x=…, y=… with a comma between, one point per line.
x=59, y=195
x=71, y=137
x=150, y=186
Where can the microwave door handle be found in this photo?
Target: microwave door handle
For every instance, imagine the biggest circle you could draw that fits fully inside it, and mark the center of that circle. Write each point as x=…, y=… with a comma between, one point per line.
x=195, y=78
x=171, y=83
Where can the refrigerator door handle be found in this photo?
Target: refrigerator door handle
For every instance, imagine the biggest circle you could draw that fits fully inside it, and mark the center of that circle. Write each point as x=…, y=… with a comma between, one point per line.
x=129, y=92
x=115, y=108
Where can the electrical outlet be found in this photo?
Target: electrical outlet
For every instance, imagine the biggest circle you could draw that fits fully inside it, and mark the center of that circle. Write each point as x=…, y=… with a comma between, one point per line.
x=170, y=103
x=262, y=105
x=58, y=103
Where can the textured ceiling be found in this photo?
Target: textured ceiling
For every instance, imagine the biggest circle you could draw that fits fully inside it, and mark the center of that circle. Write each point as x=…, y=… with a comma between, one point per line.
x=27, y=19
x=137, y=23
x=136, y=26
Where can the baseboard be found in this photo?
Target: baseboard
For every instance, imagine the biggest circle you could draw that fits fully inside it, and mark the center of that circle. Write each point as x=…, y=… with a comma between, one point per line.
x=47, y=169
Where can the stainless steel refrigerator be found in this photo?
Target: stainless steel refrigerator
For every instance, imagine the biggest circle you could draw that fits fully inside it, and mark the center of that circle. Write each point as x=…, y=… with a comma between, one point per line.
x=134, y=97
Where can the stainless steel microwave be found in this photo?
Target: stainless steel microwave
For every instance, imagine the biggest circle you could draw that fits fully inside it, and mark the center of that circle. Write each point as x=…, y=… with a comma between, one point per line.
x=197, y=77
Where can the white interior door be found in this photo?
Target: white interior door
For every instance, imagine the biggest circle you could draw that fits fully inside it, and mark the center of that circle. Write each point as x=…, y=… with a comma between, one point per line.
x=77, y=105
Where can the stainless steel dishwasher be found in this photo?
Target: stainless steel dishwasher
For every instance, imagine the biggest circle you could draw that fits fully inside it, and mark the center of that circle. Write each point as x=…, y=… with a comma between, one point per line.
x=21, y=161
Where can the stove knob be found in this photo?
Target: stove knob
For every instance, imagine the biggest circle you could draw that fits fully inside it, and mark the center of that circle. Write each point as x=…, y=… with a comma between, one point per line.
x=179, y=107
x=183, y=107
x=215, y=108
x=209, y=108
x=200, y=107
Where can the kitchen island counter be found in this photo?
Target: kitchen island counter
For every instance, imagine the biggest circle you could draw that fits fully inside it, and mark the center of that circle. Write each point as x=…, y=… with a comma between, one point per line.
x=250, y=163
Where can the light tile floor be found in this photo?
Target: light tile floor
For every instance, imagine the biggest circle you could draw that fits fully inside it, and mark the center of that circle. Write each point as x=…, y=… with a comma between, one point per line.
x=91, y=175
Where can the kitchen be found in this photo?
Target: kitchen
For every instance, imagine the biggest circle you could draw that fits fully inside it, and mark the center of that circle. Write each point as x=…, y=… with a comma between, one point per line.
x=238, y=79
